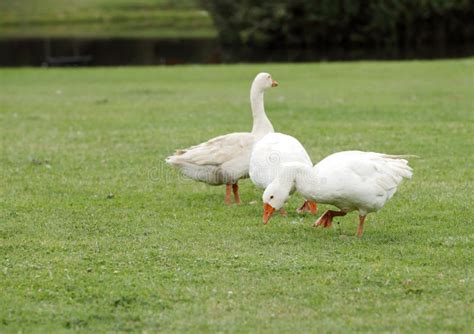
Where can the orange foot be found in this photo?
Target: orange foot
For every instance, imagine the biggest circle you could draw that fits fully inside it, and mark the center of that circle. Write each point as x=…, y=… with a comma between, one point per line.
x=326, y=219
x=308, y=206
x=235, y=189
x=228, y=188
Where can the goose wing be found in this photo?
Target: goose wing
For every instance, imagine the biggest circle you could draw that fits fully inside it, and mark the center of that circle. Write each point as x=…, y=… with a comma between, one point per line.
x=215, y=151
x=387, y=171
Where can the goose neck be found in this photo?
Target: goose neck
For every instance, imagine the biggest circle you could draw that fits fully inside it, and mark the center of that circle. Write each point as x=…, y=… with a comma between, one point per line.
x=261, y=123
x=294, y=174
x=305, y=179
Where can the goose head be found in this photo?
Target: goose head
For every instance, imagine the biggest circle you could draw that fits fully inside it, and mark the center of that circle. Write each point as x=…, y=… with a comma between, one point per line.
x=274, y=197
x=263, y=81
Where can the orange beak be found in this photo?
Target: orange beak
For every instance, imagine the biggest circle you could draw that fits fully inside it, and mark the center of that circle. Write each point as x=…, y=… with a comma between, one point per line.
x=274, y=83
x=268, y=210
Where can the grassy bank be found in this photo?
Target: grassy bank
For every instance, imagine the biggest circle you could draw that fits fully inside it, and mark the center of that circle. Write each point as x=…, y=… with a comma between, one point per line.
x=97, y=235
x=104, y=18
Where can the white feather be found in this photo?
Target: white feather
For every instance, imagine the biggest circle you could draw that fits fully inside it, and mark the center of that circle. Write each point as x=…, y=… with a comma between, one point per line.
x=270, y=153
x=225, y=159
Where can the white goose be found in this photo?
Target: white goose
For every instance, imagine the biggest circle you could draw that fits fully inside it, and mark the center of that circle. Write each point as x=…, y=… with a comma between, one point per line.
x=268, y=157
x=351, y=180
x=225, y=159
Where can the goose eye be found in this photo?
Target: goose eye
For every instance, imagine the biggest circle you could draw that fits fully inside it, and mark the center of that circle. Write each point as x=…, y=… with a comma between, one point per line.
x=271, y=197
x=269, y=77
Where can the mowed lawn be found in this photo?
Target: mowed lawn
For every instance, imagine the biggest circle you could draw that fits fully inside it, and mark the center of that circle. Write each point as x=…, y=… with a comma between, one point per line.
x=104, y=19
x=97, y=234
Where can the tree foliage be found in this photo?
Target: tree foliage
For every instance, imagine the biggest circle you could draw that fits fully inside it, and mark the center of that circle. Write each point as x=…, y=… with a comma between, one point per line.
x=280, y=24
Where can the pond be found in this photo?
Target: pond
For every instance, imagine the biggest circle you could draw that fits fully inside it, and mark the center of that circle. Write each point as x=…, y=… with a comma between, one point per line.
x=149, y=51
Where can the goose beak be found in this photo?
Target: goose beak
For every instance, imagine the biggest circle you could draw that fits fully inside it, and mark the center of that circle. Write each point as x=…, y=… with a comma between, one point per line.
x=268, y=210
x=274, y=83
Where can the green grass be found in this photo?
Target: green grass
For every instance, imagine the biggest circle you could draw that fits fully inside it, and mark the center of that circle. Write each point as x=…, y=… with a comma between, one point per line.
x=96, y=234
x=104, y=18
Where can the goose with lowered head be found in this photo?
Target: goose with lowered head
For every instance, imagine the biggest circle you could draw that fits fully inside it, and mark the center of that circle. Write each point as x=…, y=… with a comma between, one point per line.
x=268, y=158
x=225, y=159
x=351, y=180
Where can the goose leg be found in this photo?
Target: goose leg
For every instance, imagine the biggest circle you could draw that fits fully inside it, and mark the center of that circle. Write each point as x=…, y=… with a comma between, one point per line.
x=308, y=206
x=227, y=194
x=326, y=218
x=360, y=229
x=235, y=188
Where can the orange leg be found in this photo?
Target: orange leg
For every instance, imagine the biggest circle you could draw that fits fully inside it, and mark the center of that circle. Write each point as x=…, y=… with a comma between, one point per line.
x=227, y=193
x=235, y=189
x=308, y=206
x=326, y=219
x=360, y=229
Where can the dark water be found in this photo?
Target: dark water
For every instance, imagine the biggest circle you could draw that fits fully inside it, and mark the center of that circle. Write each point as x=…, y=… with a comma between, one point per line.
x=123, y=51
x=104, y=52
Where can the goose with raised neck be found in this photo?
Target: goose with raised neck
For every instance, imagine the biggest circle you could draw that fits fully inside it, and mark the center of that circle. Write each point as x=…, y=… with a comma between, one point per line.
x=225, y=159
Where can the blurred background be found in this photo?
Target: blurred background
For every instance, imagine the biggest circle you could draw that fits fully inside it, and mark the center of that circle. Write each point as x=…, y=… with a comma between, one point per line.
x=151, y=32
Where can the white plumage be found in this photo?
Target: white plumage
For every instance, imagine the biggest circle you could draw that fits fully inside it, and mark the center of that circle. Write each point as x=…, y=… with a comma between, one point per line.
x=221, y=160
x=225, y=159
x=268, y=157
x=351, y=180
x=270, y=153
x=355, y=180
